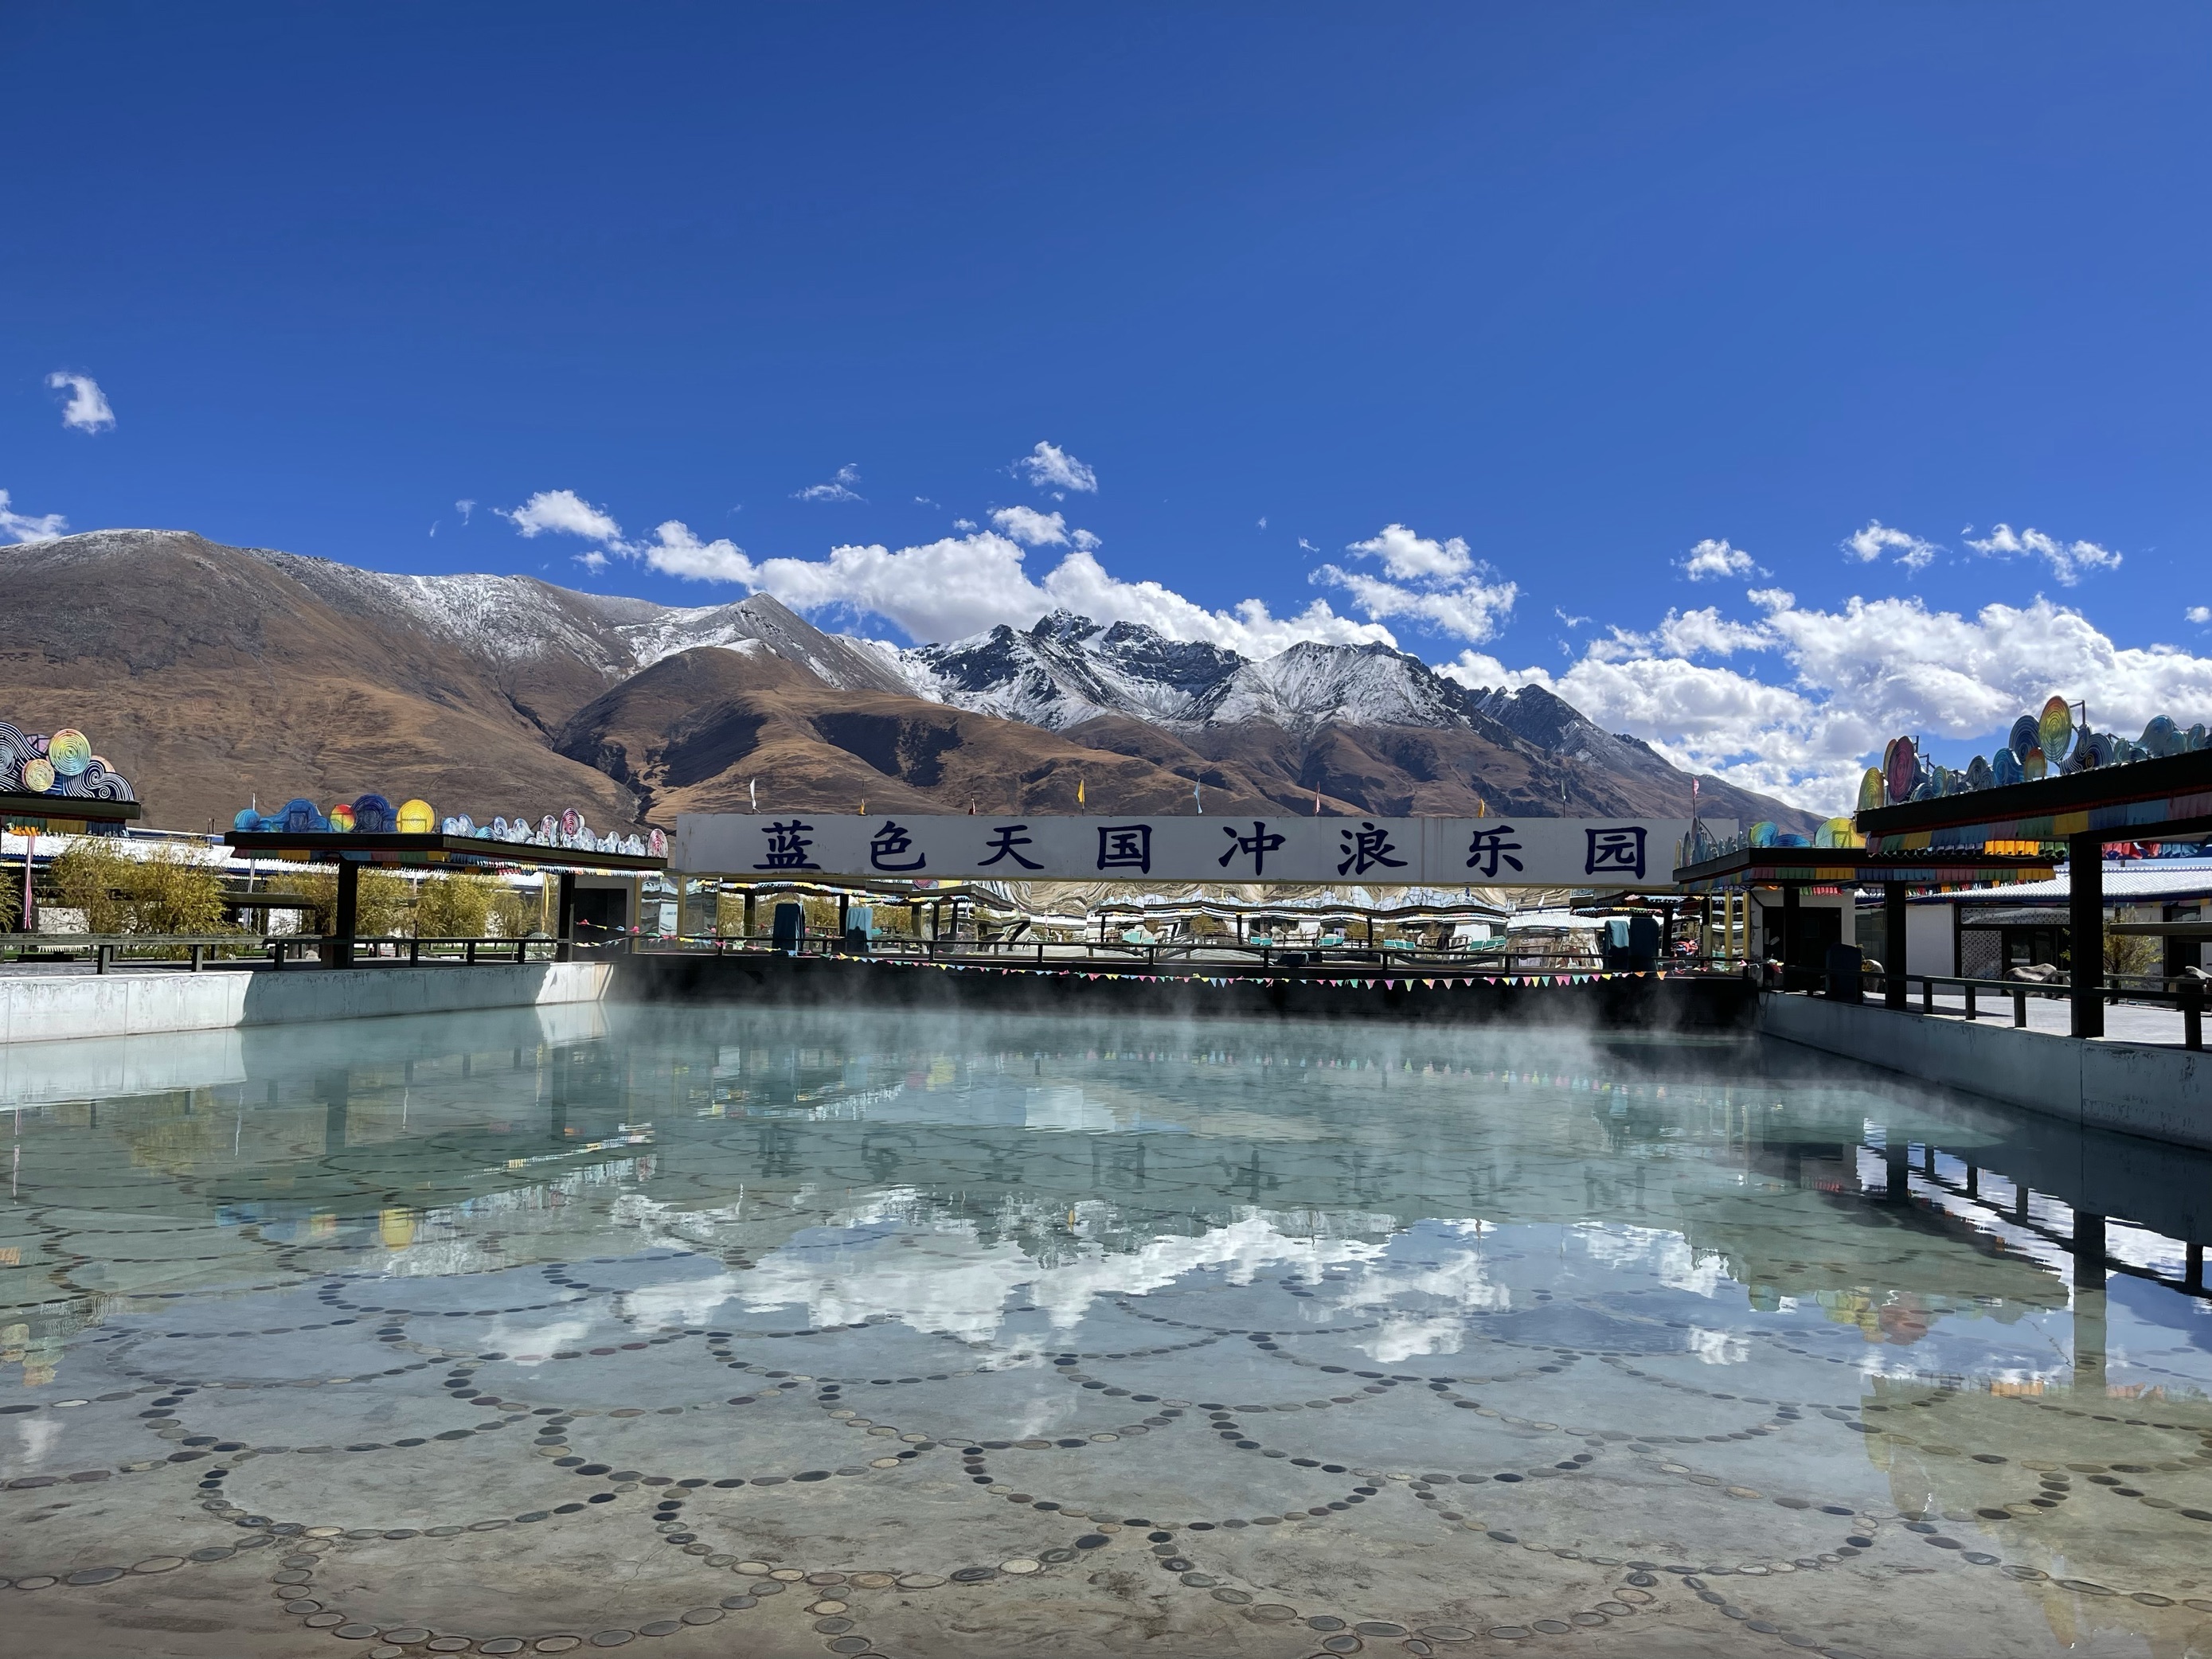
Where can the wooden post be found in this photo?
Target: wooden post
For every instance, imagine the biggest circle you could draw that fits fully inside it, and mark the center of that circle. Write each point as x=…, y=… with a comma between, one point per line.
x=2085, y=907
x=1892, y=944
x=346, y=922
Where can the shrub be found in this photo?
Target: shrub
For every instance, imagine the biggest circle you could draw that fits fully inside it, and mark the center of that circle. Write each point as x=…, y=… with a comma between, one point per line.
x=381, y=903
x=172, y=893
x=91, y=876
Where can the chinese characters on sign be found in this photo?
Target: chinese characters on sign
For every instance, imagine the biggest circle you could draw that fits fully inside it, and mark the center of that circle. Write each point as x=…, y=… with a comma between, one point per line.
x=1453, y=852
x=1367, y=848
x=892, y=841
x=1487, y=848
x=1619, y=850
x=1006, y=838
x=788, y=845
x=1255, y=846
x=1125, y=847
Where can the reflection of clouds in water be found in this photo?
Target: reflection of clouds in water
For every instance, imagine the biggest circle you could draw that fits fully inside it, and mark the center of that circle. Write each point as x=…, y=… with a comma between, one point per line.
x=539, y=1339
x=1665, y=1255
x=40, y=1435
x=886, y=1258
x=1717, y=1347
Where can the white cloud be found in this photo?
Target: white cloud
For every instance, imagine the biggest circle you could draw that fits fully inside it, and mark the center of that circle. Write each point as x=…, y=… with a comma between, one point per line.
x=964, y=584
x=964, y=524
x=87, y=408
x=464, y=507
x=1030, y=527
x=1571, y=621
x=1471, y=611
x=1877, y=539
x=1050, y=467
x=594, y=560
x=1263, y=522
x=1437, y=583
x=676, y=551
x=1855, y=677
x=839, y=489
x=1716, y=558
x=1085, y=540
x=2068, y=560
x=1306, y=546
x=1408, y=557
x=2199, y=613
x=566, y=513
x=31, y=527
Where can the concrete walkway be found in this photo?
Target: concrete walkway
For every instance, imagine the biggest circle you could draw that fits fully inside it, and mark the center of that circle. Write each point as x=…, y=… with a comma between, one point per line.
x=2124, y=1022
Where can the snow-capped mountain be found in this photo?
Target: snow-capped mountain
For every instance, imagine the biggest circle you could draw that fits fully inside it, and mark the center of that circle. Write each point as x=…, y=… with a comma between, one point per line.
x=1069, y=669
x=470, y=684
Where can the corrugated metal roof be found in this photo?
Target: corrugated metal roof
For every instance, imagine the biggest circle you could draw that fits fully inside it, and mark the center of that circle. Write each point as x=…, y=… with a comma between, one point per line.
x=2124, y=883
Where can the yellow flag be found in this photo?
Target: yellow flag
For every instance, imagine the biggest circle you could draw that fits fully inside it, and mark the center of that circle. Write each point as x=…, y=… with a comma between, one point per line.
x=1079, y=791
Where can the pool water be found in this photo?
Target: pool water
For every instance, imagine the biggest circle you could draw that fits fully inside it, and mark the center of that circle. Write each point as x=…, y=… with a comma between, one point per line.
x=858, y=1333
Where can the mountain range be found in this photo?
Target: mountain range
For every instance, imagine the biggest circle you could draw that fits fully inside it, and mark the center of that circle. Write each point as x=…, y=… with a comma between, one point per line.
x=209, y=675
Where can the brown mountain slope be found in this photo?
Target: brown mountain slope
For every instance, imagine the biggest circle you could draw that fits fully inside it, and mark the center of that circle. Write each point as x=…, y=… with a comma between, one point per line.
x=210, y=674
x=207, y=676
x=691, y=732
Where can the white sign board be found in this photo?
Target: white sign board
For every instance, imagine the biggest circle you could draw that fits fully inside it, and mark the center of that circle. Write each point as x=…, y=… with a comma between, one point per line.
x=1495, y=852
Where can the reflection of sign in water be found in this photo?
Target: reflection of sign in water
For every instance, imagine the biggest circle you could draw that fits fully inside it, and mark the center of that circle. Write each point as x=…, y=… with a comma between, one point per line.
x=1255, y=846
x=1365, y=848
x=788, y=845
x=891, y=843
x=1619, y=848
x=1486, y=848
x=1007, y=838
x=1125, y=847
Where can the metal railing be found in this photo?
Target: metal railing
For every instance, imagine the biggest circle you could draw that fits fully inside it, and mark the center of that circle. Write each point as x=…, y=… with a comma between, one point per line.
x=199, y=951
x=2187, y=995
x=1192, y=954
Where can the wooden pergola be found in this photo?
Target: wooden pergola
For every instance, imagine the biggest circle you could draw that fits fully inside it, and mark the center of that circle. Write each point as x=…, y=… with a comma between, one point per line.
x=2164, y=799
x=352, y=853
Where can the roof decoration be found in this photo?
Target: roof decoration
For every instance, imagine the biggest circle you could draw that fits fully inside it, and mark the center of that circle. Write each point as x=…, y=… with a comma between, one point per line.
x=373, y=814
x=2040, y=746
x=62, y=764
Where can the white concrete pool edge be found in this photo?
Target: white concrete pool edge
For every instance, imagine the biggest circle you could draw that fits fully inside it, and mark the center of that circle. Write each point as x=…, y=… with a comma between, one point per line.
x=2161, y=1094
x=59, y=1008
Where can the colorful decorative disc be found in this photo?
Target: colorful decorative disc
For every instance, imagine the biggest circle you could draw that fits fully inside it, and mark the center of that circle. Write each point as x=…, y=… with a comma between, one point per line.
x=1870, y=789
x=69, y=750
x=2055, y=730
x=341, y=818
x=415, y=818
x=1904, y=770
x=38, y=774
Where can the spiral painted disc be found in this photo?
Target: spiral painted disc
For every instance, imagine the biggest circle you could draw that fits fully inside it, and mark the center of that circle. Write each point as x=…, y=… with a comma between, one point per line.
x=38, y=774
x=69, y=750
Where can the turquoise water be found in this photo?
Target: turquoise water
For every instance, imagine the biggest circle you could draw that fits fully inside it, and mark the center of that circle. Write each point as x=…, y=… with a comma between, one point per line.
x=1295, y=1335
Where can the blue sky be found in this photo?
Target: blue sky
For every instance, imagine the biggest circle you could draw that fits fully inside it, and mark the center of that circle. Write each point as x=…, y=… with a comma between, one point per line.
x=1630, y=318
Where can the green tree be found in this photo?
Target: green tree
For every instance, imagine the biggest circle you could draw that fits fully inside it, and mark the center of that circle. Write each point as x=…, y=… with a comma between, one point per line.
x=454, y=907
x=512, y=915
